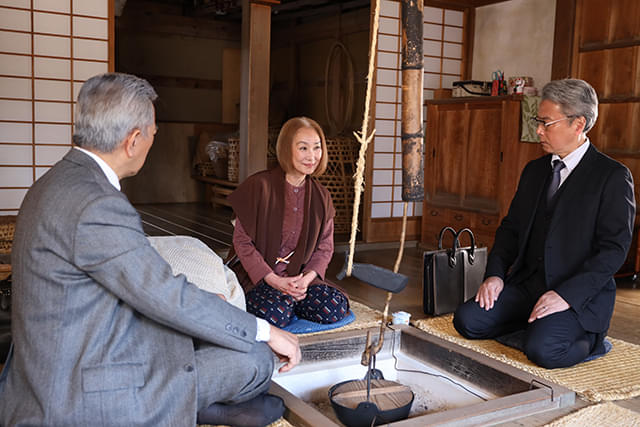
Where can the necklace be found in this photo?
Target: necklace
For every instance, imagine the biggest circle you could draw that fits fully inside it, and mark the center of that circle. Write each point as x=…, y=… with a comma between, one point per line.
x=292, y=180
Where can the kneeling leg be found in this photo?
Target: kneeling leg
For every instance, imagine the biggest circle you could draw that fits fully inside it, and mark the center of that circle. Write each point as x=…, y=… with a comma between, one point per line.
x=508, y=314
x=270, y=304
x=558, y=341
x=323, y=304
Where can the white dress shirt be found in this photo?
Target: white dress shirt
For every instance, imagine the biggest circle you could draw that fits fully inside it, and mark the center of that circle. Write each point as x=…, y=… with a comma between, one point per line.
x=109, y=173
x=571, y=160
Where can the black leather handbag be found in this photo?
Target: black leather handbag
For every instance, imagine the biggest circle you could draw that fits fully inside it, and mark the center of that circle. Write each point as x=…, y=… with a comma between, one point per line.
x=5, y=318
x=452, y=275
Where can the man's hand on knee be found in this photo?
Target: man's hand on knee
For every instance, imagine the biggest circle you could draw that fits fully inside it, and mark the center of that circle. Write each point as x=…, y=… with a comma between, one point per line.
x=285, y=346
x=550, y=302
x=489, y=292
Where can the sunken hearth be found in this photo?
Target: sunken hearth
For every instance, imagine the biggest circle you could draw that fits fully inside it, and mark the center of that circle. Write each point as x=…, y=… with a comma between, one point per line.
x=452, y=385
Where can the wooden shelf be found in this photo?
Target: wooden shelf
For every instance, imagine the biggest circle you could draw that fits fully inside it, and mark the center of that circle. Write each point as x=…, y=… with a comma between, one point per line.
x=617, y=154
x=473, y=204
x=593, y=46
x=212, y=180
x=219, y=189
x=619, y=99
x=474, y=99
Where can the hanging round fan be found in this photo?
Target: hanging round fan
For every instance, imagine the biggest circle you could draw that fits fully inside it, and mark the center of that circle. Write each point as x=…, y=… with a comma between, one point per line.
x=338, y=88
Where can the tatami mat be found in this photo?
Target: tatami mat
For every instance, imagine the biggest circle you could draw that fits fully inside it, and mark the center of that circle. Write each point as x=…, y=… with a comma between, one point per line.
x=602, y=415
x=278, y=423
x=612, y=377
x=366, y=317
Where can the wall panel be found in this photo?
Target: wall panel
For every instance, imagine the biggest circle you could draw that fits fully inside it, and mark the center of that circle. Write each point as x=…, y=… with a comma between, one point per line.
x=47, y=49
x=442, y=50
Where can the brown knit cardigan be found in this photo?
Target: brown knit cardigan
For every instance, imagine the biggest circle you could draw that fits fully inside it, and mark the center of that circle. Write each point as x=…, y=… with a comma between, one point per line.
x=259, y=205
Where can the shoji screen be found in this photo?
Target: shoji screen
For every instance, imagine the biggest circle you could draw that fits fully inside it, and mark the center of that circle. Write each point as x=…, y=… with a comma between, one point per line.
x=47, y=49
x=443, y=43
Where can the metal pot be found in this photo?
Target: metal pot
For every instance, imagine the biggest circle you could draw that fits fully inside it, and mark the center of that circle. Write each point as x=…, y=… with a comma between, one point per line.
x=367, y=413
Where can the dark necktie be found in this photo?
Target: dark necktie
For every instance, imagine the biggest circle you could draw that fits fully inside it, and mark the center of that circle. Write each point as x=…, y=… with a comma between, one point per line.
x=555, y=179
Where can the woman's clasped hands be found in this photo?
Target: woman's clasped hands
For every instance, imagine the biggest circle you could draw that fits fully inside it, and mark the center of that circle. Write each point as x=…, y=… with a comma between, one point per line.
x=296, y=286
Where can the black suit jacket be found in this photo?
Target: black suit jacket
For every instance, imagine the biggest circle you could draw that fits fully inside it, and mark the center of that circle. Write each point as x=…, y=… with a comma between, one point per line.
x=588, y=238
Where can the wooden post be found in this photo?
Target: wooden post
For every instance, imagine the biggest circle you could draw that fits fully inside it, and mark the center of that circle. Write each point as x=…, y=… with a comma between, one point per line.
x=412, y=77
x=254, y=88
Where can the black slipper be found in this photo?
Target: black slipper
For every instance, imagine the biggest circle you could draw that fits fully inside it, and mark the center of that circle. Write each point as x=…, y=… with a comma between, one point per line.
x=260, y=411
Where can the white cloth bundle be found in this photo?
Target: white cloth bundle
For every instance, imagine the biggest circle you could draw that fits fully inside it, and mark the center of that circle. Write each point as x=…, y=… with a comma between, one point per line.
x=202, y=267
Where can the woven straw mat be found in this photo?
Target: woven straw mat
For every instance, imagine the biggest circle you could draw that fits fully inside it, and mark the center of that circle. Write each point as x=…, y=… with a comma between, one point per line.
x=366, y=317
x=602, y=415
x=614, y=376
x=277, y=423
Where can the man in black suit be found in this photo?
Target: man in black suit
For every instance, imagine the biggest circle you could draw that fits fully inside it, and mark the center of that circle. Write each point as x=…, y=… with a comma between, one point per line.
x=567, y=232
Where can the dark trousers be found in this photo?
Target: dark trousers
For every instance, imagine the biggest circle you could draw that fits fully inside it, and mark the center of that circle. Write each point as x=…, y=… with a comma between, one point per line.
x=555, y=341
x=323, y=304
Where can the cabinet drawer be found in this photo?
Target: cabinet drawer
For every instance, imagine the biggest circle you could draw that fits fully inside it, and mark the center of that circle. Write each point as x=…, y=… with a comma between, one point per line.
x=460, y=219
x=433, y=219
x=484, y=238
x=486, y=222
x=435, y=213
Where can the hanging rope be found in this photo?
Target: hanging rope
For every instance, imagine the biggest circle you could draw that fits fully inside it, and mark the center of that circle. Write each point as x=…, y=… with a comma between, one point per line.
x=364, y=143
x=364, y=139
x=369, y=350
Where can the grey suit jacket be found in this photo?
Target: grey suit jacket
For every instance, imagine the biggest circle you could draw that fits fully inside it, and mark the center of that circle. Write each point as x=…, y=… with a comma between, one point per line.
x=102, y=329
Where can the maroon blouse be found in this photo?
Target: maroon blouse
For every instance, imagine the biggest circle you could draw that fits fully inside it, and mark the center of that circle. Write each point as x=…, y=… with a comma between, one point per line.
x=254, y=262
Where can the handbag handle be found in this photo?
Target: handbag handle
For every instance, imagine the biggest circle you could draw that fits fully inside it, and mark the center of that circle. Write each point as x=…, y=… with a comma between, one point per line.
x=456, y=243
x=452, y=252
x=441, y=235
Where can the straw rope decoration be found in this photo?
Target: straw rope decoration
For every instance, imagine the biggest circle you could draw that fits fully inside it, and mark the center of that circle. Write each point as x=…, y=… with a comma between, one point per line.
x=365, y=138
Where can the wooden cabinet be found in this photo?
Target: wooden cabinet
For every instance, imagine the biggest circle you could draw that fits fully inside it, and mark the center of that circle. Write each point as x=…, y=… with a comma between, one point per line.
x=473, y=159
x=606, y=53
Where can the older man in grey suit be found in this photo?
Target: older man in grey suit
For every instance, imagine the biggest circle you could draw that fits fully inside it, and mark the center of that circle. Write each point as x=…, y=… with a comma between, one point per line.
x=104, y=334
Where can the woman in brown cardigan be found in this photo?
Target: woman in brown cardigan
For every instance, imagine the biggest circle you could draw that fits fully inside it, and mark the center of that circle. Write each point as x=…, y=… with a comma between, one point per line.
x=283, y=234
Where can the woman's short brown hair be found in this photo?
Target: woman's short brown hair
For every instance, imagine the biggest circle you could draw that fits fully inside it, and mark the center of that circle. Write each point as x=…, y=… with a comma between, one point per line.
x=284, y=145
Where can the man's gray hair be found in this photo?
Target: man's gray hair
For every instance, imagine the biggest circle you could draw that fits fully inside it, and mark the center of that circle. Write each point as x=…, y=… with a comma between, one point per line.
x=110, y=106
x=575, y=97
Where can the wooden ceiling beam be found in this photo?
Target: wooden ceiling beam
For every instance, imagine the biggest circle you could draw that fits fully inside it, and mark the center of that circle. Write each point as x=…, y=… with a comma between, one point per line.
x=301, y=32
x=322, y=10
x=461, y=4
x=149, y=17
x=182, y=82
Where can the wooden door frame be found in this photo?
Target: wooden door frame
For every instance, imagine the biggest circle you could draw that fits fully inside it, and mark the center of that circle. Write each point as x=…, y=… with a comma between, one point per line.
x=561, y=65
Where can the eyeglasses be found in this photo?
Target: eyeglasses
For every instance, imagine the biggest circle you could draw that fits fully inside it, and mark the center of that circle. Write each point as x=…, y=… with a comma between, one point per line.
x=539, y=122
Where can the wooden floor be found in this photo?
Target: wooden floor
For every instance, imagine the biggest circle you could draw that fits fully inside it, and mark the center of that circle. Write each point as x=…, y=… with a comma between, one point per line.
x=213, y=227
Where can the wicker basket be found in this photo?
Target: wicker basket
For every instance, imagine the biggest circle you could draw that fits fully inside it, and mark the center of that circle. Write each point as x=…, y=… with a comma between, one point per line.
x=234, y=158
x=7, y=230
x=272, y=157
x=338, y=178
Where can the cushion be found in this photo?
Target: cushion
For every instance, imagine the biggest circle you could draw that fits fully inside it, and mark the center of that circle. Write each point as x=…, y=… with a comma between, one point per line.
x=202, y=266
x=303, y=326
